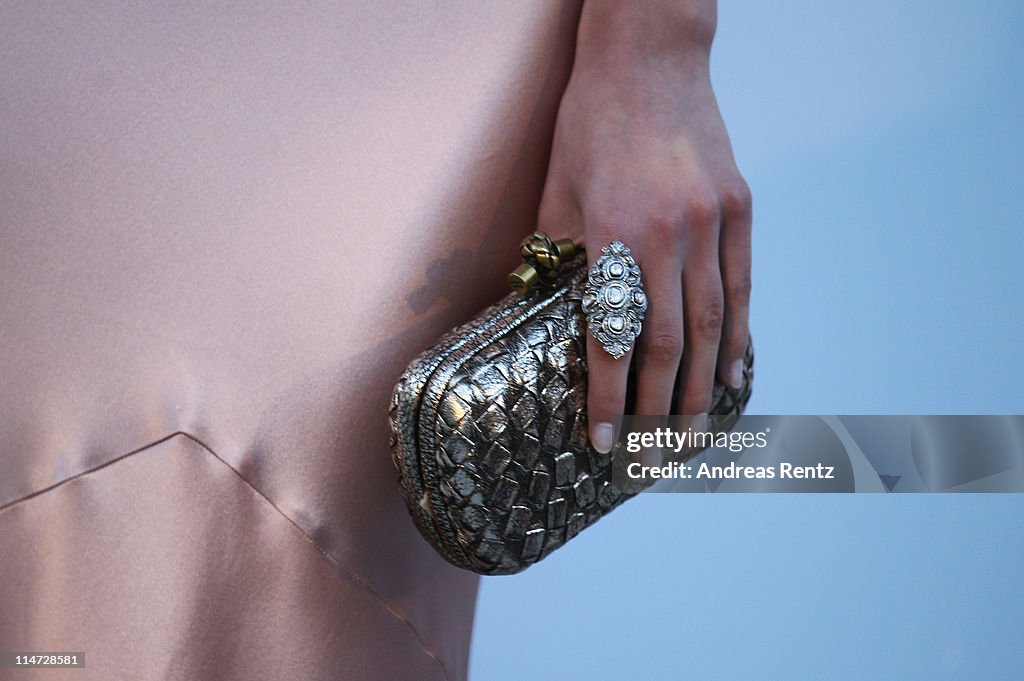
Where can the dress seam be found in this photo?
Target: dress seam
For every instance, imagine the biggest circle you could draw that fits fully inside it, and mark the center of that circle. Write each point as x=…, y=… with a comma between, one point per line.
x=339, y=567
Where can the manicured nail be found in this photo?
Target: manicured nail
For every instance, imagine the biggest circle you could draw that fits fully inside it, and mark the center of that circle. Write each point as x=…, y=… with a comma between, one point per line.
x=602, y=437
x=736, y=374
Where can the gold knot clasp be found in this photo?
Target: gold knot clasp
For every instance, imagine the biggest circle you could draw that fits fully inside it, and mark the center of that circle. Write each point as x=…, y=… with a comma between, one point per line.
x=542, y=257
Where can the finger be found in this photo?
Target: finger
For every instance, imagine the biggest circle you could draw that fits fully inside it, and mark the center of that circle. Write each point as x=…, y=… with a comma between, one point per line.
x=735, y=249
x=660, y=345
x=606, y=392
x=606, y=379
x=704, y=312
x=606, y=376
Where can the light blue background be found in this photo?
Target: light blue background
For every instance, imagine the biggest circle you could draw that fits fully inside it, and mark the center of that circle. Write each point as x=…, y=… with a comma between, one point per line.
x=883, y=142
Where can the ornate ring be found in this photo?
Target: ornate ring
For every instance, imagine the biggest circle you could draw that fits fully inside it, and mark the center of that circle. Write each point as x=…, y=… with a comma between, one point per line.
x=614, y=300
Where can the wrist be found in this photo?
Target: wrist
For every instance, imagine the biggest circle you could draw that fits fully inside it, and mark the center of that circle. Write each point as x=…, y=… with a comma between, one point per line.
x=623, y=36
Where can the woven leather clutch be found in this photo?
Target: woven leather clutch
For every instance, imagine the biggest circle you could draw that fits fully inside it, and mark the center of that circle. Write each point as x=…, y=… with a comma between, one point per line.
x=489, y=431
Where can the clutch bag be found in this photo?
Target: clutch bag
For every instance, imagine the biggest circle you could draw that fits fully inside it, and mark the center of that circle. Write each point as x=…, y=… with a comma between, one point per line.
x=489, y=425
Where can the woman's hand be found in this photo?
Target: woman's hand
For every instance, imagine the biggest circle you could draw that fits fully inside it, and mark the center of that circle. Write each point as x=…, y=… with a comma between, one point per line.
x=641, y=155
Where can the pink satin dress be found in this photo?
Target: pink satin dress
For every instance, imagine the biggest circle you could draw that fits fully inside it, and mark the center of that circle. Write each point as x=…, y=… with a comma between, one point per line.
x=224, y=232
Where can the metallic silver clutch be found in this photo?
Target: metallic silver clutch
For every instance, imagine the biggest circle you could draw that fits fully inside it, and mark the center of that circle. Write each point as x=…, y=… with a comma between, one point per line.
x=489, y=425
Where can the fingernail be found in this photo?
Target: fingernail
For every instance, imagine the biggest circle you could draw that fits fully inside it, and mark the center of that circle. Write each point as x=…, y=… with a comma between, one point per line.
x=736, y=374
x=602, y=437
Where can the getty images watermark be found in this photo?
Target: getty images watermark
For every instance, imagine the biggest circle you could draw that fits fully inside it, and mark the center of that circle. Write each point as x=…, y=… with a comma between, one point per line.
x=820, y=454
x=666, y=442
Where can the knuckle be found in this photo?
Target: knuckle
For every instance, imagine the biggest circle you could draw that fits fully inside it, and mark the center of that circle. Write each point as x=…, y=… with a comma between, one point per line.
x=702, y=209
x=664, y=346
x=606, y=227
x=709, y=319
x=736, y=199
x=667, y=226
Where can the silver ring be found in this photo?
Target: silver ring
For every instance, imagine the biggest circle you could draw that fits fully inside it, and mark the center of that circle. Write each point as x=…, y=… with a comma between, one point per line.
x=614, y=300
